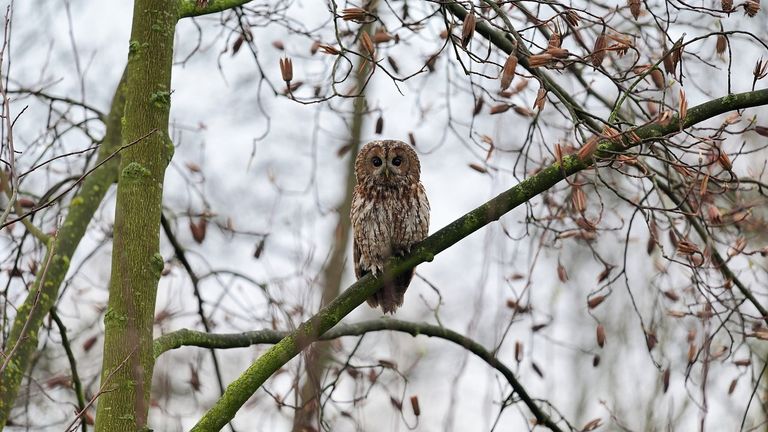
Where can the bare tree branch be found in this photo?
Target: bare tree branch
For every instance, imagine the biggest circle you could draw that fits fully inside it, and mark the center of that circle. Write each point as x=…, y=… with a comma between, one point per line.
x=241, y=389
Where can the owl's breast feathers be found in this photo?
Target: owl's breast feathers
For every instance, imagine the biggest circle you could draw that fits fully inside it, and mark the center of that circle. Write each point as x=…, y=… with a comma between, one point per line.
x=387, y=220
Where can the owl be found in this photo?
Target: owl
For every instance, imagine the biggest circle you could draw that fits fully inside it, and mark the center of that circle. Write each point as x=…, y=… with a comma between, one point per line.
x=389, y=214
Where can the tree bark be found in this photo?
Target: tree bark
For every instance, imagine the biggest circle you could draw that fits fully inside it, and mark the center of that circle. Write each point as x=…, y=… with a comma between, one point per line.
x=136, y=262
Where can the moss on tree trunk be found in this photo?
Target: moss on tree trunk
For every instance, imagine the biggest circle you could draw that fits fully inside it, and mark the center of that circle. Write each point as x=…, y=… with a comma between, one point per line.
x=136, y=263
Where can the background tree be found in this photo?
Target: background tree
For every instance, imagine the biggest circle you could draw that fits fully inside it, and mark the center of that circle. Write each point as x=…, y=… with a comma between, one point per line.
x=638, y=284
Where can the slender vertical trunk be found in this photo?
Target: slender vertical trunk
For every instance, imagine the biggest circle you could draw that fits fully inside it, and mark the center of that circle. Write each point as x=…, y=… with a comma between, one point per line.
x=136, y=262
x=318, y=355
x=81, y=210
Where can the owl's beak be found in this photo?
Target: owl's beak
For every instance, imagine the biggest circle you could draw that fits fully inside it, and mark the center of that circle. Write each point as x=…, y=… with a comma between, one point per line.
x=386, y=172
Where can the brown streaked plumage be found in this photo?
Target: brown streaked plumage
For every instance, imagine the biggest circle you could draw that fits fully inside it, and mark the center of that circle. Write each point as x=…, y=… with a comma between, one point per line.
x=390, y=213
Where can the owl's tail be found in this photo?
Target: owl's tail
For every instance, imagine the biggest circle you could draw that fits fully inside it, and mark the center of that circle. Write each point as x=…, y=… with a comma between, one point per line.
x=390, y=296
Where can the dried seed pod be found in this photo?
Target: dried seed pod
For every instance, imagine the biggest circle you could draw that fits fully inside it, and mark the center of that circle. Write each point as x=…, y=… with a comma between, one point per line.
x=393, y=64
x=518, y=351
x=665, y=379
x=761, y=130
x=722, y=44
x=367, y=44
x=193, y=167
x=415, y=405
x=538, y=60
x=596, y=361
x=498, y=109
x=634, y=7
x=595, y=301
x=278, y=44
x=686, y=247
x=732, y=387
x=600, y=335
x=468, y=29
x=382, y=36
x=738, y=247
x=732, y=118
x=355, y=14
x=704, y=185
x=612, y=134
x=329, y=49
x=523, y=111
x=479, y=168
x=286, y=70
x=572, y=17
x=604, y=274
x=714, y=215
x=671, y=295
x=650, y=340
x=541, y=99
x=478, y=106
x=671, y=60
x=664, y=118
x=761, y=70
x=89, y=343
x=561, y=273
x=508, y=71
x=724, y=160
x=653, y=110
x=237, y=44
x=314, y=47
x=412, y=139
x=598, y=52
x=198, y=229
x=259, y=248
x=396, y=403
x=752, y=7
x=379, y=125
x=743, y=362
x=692, y=353
x=558, y=53
x=555, y=41
x=588, y=149
x=25, y=202
x=430, y=63
x=682, y=106
x=592, y=425
x=578, y=198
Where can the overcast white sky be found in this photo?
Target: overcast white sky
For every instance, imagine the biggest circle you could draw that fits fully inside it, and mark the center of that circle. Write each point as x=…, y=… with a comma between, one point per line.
x=299, y=156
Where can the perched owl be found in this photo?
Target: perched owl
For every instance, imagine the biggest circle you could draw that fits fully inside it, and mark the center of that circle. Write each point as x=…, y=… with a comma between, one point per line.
x=390, y=213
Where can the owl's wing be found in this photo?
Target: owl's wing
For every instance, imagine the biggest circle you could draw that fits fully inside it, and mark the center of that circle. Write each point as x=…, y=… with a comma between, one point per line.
x=359, y=272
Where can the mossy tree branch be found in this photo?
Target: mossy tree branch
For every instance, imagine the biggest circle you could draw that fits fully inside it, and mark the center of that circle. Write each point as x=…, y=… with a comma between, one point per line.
x=136, y=260
x=187, y=337
x=81, y=211
x=193, y=8
x=309, y=331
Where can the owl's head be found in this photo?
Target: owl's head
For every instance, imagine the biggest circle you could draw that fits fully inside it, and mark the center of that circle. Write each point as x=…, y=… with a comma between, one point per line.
x=387, y=162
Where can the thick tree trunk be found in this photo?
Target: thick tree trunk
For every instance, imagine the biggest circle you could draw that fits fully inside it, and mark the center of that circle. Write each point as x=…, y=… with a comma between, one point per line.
x=136, y=262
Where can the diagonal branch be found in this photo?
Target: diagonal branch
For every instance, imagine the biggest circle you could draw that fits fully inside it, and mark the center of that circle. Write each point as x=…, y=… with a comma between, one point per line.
x=242, y=388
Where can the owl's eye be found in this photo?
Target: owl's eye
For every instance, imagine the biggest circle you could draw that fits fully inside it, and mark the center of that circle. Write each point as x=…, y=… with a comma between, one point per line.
x=397, y=161
x=376, y=161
